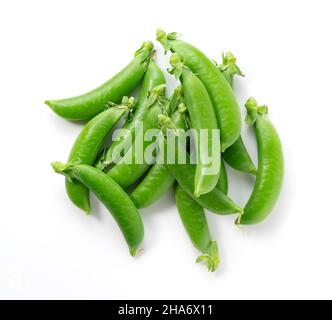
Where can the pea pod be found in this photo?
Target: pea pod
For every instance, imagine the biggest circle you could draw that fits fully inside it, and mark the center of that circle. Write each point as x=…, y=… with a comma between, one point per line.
x=132, y=166
x=215, y=200
x=184, y=173
x=194, y=221
x=236, y=155
x=238, y=158
x=112, y=196
x=270, y=166
x=156, y=183
x=202, y=117
x=221, y=94
x=159, y=180
x=152, y=79
x=86, y=106
x=88, y=144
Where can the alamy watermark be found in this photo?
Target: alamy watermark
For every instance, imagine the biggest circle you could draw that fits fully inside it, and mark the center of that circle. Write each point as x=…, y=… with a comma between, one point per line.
x=169, y=146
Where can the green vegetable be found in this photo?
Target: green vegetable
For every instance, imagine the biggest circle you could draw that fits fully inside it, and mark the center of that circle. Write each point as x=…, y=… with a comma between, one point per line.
x=270, y=166
x=88, y=144
x=86, y=106
x=194, y=221
x=221, y=94
x=112, y=196
x=202, y=117
x=133, y=165
x=159, y=180
x=236, y=155
x=153, y=78
x=184, y=174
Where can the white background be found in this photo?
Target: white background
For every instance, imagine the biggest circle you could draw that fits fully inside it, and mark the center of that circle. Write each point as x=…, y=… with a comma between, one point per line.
x=54, y=49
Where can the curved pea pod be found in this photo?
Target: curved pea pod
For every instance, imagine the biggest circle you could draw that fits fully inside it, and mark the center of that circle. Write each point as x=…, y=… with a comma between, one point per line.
x=215, y=200
x=194, y=221
x=133, y=165
x=86, y=106
x=202, y=120
x=156, y=183
x=159, y=180
x=112, y=196
x=184, y=173
x=221, y=94
x=152, y=81
x=153, y=77
x=270, y=166
x=236, y=155
x=88, y=144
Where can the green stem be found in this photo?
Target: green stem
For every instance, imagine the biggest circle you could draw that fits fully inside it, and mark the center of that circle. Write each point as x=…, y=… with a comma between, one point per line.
x=253, y=110
x=210, y=257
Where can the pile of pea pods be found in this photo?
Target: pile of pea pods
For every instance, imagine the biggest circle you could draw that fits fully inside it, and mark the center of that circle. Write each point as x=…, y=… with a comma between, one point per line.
x=204, y=100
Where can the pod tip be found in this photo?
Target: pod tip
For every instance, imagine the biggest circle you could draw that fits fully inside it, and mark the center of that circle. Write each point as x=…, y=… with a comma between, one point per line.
x=134, y=252
x=48, y=103
x=87, y=211
x=238, y=219
x=223, y=147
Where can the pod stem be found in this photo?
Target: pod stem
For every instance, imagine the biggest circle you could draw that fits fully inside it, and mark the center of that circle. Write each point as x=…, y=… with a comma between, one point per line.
x=182, y=108
x=164, y=38
x=229, y=66
x=165, y=122
x=127, y=103
x=176, y=99
x=253, y=110
x=64, y=168
x=177, y=64
x=211, y=257
x=144, y=52
x=156, y=94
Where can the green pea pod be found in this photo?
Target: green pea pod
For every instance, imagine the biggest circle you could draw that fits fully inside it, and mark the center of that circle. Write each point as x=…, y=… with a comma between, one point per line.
x=88, y=144
x=156, y=183
x=215, y=200
x=236, y=155
x=86, y=106
x=184, y=173
x=112, y=196
x=133, y=165
x=194, y=221
x=221, y=94
x=159, y=180
x=202, y=117
x=270, y=166
x=153, y=78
